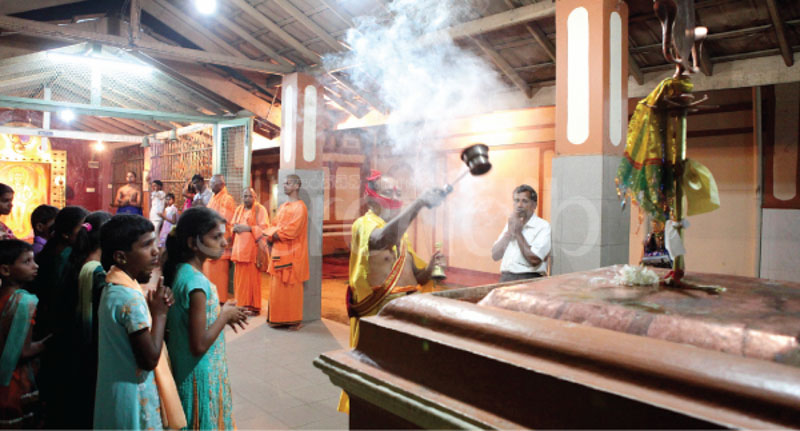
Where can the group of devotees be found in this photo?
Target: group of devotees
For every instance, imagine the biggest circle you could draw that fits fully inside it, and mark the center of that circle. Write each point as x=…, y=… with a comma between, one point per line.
x=129, y=323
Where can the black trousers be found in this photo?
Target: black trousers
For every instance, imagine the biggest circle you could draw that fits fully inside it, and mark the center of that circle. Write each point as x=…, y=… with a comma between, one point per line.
x=514, y=276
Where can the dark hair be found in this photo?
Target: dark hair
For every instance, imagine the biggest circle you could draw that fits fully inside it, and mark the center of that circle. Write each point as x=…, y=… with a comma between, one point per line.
x=197, y=178
x=131, y=172
x=5, y=188
x=160, y=184
x=170, y=195
x=190, y=188
x=88, y=241
x=526, y=188
x=12, y=249
x=43, y=214
x=119, y=233
x=66, y=221
x=194, y=222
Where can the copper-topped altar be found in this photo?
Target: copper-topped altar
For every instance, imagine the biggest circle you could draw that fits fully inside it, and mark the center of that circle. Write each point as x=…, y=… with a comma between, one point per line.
x=579, y=350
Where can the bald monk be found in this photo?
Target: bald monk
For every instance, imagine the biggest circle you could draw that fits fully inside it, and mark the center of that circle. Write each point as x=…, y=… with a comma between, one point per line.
x=288, y=264
x=249, y=221
x=218, y=271
x=383, y=266
x=129, y=196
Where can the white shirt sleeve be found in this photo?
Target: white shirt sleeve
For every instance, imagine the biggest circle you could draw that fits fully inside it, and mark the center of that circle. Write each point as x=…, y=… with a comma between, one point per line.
x=540, y=246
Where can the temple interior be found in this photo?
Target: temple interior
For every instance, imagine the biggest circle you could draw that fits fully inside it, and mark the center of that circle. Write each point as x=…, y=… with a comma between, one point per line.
x=332, y=90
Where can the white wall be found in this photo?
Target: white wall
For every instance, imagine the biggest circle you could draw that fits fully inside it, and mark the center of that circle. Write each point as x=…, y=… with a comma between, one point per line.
x=780, y=245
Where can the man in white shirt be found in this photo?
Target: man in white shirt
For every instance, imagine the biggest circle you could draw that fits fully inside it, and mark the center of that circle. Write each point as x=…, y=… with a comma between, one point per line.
x=525, y=241
x=204, y=193
x=157, y=197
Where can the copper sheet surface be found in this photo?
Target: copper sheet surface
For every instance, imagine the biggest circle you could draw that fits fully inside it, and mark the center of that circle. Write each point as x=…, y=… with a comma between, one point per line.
x=754, y=318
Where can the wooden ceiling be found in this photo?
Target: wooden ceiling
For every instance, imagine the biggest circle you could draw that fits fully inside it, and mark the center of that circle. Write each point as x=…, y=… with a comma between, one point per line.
x=233, y=59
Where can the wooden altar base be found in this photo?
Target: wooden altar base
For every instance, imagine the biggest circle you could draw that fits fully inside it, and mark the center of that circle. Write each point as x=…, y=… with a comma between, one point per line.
x=442, y=361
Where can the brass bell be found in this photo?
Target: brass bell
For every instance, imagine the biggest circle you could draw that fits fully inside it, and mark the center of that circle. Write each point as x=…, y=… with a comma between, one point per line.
x=438, y=273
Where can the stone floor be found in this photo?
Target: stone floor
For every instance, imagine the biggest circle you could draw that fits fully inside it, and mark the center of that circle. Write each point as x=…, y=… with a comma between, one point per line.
x=275, y=385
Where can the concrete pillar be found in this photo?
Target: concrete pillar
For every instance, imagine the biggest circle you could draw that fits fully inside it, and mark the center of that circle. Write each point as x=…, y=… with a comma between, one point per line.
x=589, y=228
x=301, y=154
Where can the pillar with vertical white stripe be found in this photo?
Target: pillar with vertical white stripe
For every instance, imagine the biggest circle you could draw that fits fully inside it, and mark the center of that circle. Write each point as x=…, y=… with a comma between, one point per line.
x=302, y=139
x=589, y=228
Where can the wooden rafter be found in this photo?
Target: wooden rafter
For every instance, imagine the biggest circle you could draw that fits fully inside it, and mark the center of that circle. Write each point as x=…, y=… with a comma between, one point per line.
x=210, y=81
x=277, y=30
x=538, y=34
x=135, y=25
x=503, y=65
x=780, y=33
x=340, y=13
x=494, y=22
x=188, y=28
x=156, y=49
x=719, y=35
x=11, y=7
x=309, y=24
x=350, y=108
x=247, y=37
x=366, y=97
x=634, y=70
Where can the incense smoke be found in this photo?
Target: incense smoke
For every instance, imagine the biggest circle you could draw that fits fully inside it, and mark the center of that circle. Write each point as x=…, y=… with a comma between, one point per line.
x=423, y=83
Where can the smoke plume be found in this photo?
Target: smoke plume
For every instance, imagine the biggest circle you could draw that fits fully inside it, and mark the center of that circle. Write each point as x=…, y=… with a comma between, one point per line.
x=421, y=83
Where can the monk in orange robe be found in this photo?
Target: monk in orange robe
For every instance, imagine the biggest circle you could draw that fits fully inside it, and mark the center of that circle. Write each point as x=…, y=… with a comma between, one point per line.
x=249, y=221
x=288, y=266
x=218, y=271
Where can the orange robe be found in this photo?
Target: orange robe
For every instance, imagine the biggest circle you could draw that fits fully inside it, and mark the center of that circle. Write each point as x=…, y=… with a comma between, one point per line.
x=218, y=271
x=247, y=278
x=288, y=264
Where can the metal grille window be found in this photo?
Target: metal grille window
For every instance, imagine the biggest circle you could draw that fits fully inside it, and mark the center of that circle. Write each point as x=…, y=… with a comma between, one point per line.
x=232, y=149
x=174, y=162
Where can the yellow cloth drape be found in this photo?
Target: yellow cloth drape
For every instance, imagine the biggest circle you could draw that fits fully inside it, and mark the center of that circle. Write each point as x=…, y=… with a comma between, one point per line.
x=700, y=188
x=647, y=173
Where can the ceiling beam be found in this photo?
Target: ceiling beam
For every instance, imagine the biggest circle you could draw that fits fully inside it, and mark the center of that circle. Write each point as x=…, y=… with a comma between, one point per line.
x=503, y=65
x=249, y=38
x=11, y=7
x=274, y=28
x=634, y=70
x=180, y=131
x=71, y=134
x=211, y=81
x=365, y=96
x=140, y=127
x=103, y=111
x=344, y=105
x=535, y=66
x=780, y=33
x=134, y=29
x=188, y=27
x=536, y=31
x=340, y=13
x=106, y=126
x=497, y=21
x=719, y=35
x=156, y=49
x=309, y=24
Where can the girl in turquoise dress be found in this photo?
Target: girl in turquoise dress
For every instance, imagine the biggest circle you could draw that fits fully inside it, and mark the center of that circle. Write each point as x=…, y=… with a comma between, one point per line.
x=196, y=343
x=135, y=389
